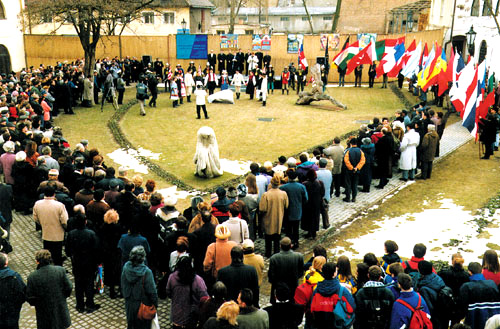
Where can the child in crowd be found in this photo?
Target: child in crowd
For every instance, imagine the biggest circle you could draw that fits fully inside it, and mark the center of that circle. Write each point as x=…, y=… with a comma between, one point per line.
x=200, y=94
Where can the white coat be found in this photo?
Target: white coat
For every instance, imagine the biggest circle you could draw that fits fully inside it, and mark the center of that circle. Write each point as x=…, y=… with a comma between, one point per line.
x=237, y=80
x=253, y=62
x=263, y=89
x=408, y=148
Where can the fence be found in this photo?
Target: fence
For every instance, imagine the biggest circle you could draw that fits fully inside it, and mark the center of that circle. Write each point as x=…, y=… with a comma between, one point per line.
x=48, y=49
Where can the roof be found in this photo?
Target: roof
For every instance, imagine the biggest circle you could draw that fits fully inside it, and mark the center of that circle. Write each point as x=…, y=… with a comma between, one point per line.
x=278, y=11
x=414, y=6
x=200, y=4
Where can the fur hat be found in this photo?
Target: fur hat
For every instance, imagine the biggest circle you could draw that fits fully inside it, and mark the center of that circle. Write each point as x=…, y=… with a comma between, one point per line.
x=222, y=232
x=9, y=146
x=232, y=193
x=20, y=156
x=204, y=206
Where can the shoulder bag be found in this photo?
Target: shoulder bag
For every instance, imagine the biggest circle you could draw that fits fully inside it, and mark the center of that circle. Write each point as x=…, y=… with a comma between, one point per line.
x=145, y=312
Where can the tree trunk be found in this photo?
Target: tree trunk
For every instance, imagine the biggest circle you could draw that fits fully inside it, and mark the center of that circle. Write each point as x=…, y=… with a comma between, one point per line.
x=231, y=17
x=488, y=3
x=89, y=60
x=308, y=17
x=336, y=16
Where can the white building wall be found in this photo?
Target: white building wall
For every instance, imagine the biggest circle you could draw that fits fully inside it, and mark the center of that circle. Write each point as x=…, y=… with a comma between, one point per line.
x=11, y=34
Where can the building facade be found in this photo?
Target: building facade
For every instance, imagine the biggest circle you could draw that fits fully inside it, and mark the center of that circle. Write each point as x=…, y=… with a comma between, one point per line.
x=12, y=56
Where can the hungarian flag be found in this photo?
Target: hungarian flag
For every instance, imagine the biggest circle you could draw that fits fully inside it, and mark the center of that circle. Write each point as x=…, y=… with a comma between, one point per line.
x=491, y=83
x=365, y=56
x=302, y=58
x=347, y=54
x=346, y=44
x=393, y=51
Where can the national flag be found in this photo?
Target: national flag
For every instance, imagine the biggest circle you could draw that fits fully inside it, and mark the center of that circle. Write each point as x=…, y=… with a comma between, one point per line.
x=481, y=77
x=402, y=60
x=459, y=90
x=302, y=58
x=411, y=66
x=379, y=49
x=394, y=50
x=365, y=56
x=424, y=72
x=327, y=61
x=425, y=55
x=491, y=83
x=440, y=66
x=482, y=110
x=346, y=44
x=347, y=54
x=469, y=112
x=446, y=76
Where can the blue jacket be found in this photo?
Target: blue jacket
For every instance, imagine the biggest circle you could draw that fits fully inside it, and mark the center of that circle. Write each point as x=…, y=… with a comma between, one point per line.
x=428, y=286
x=479, y=299
x=322, y=308
x=12, y=297
x=297, y=198
x=401, y=315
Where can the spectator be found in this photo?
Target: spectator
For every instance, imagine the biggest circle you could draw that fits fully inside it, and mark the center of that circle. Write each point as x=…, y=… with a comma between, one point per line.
x=419, y=251
x=384, y=153
x=297, y=198
x=47, y=290
x=209, y=307
x=251, y=317
x=205, y=212
x=344, y=274
x=130, y=240
x=220, y=208
x=226, y=317
x=428, y=286
x=354, y=160
x=287, y=266
x=109, y=236
x=491, y=268
x=284, y=314
x=401, y=314
x=7, y=160
x=218, y=254
x=247, y=193
x=13, y=294
x=312, y=209
x=408, y=147
x=238, y=276
x=138, y=286
x=237, y=226
x=273, y=204
x=252, y=259
x=429, y=146
x=390, y=257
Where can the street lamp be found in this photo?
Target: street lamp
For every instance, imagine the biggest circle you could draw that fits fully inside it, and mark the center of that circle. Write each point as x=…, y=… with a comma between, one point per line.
x=409, y=21
x=471, y=37
x=184, y=23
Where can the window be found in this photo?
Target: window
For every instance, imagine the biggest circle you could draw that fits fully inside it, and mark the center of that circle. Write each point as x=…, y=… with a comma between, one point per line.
x=149, y=17
x=248, y=32
x=243, y=18
x=46, y=18
x=168, y=18
x=496, y=10
x=486, y=7
x=219, y=32
x=221, y=19
x=284, y=19
x=327, y=18
x=2, y=11
x=475, y=8
x=482, y=51
x=304, y=19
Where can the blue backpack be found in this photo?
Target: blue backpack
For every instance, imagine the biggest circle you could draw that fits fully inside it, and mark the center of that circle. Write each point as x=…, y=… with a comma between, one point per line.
x=343, y=319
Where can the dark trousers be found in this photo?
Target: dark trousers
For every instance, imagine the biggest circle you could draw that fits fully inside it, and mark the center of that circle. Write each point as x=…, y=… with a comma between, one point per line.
x=120, y=96
x=488, y=149
x=383, y=181
x=84, y=286
x=426, y=169
x=371, y=81
x=167, y=85
x=357, y=80
x=337, y=179
x=300, y=86
x=199, y=107
x=96, y=95
x=55, y=248
x=351, y=184
x=152, y=101
x=324, y=214
x=269, y=241
x=293, y=230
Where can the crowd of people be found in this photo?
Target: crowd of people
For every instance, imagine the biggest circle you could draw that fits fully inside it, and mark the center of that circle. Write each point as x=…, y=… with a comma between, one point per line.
x=203, y=258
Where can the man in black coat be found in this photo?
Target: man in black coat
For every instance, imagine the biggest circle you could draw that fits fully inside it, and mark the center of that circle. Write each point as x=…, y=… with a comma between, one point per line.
x=240, y=60
x=238, y=276
x=81, y=246
x=374, y=302
x=384, y=151
x=47, y=290
x=153, y=88
x=229, y=63
x=13, y=295
x=221, y=59
x=212, y=59
x=286, y=266
x=6, y=205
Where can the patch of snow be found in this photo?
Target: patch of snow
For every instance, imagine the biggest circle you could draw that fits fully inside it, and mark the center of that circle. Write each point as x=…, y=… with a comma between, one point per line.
x=178, y=194
x=433, y=227
x=129, y=158
x=235, y=167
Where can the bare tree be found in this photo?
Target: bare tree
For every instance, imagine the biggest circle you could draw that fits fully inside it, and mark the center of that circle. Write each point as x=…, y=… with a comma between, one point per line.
x=336, y=16
x=490, y=9
x=88, y=17
x=308, y=17
x=234, y=9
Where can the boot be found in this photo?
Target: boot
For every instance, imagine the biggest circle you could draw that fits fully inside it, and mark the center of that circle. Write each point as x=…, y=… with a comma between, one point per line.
x=189, y=98
x=287, y=92
x=182, y=100
x=263, y=103
x=237, y=95
x=282, y=92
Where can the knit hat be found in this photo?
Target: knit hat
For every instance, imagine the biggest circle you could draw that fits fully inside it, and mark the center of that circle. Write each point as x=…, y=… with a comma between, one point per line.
x=242, y=190
x=366, y=141
x=222, y=232
x=424, y=267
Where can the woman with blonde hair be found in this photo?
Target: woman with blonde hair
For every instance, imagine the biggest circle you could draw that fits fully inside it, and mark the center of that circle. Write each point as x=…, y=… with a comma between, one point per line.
x=313, y=275
x=109, y=236
x=491, y=268
x=137, y=180
x=226, y=317
x=311, y=279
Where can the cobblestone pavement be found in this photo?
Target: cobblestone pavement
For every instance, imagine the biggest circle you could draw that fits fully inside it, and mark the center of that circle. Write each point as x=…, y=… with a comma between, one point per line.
x=26, y=240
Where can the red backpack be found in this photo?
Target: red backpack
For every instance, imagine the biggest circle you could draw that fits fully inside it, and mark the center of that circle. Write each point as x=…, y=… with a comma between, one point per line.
x=419, y=319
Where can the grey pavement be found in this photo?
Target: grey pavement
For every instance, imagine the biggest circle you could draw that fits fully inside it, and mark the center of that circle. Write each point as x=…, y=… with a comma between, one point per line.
x=26, y=240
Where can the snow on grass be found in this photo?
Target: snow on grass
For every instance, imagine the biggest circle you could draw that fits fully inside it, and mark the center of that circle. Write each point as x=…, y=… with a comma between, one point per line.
x=444, y=231
x=129, y=158
x=235, y=167
x=179, y=194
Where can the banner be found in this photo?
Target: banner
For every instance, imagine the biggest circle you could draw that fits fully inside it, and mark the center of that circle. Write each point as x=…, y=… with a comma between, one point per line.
x=261, y=42
x=228, y=41
x=365, y=39
x=190, y=46
x=294, y=42
x=333, y=41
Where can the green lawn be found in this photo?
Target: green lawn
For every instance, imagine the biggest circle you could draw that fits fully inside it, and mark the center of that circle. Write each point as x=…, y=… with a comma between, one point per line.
x=172, y=132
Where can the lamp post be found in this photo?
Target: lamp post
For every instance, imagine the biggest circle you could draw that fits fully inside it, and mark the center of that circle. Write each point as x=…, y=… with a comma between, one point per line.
x=183, y=23
x=471, y=37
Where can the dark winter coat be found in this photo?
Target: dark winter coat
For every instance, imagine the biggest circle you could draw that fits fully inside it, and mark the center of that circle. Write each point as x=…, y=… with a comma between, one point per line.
x=297, y=199
x=303, y=168
x=367, y=299
x=82, y=247
x=428, y=286
x=6, y=195
x=429, y=145
x=287, y=267
x=312, y=210
x=384, y=151
x=47, y=290
x=135, y=293
x=109, y=235
x=454, y=278
x=213, y=323
x=12, y=297
x=285, y=315
x=478, y=290
x=238, y=276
